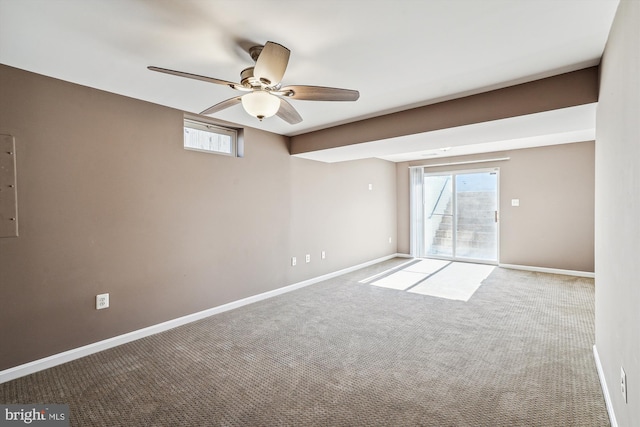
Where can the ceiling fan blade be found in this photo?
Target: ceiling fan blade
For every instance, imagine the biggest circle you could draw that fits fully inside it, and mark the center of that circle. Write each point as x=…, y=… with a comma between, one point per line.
x=287, y=113
x=272, y=63
x=319, y=93
x=197, y=77
x=222, y=105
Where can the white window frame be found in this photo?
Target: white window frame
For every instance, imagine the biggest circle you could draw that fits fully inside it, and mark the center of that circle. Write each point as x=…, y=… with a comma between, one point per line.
x=202, y=126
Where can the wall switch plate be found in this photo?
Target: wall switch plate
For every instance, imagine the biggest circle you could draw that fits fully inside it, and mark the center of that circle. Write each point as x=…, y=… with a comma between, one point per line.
x=102, y=301
x=323, y=255
x=390, y=240
x=307, y=258
x=623, y=384
x=515, y=202
x=293, y=261
x=370, y=187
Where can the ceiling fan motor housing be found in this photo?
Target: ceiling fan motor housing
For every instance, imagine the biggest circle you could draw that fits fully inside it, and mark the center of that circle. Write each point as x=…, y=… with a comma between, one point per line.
x=247, y=79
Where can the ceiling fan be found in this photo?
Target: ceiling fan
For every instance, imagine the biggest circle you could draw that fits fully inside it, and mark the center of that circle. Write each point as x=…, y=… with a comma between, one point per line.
x=264, y=94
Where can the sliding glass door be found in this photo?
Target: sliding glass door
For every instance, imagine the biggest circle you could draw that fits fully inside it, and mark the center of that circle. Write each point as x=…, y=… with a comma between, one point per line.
x=438, y=215
x=461, y=215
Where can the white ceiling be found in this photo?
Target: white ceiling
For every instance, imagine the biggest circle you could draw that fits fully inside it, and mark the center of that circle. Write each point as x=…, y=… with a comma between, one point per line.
x=398, y=53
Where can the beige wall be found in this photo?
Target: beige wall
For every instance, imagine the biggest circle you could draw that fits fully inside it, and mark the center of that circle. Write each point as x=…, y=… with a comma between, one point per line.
x=109, y=201
x=553, y=226
x=618, y=213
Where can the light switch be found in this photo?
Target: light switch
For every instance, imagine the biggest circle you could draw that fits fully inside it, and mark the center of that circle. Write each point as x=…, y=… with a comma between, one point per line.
x=515, y=202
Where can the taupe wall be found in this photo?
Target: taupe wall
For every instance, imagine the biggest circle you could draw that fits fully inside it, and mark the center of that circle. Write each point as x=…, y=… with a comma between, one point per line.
x=553, y=226
x=109, y=201
x=618, y=213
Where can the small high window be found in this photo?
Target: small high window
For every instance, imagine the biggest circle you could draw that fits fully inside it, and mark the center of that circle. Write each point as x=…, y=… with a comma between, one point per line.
x=209, y=138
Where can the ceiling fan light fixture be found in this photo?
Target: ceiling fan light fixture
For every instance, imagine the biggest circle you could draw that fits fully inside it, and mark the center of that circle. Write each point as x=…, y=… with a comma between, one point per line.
x=260, y=104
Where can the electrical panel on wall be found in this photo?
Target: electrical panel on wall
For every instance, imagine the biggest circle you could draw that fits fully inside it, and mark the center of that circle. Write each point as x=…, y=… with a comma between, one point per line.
x=8, y=190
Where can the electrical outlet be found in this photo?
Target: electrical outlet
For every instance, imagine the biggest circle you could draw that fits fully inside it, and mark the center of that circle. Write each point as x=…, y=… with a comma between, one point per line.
x=323, y=255
x=307, y=258
x=623, y=384
x=102, y=301
x=293, y=261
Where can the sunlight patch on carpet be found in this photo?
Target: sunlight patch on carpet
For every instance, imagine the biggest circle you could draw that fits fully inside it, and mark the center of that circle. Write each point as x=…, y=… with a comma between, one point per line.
x=458, y=281
x=428, y=266
x=410, y=275
x=401, y=280
x=387, y=272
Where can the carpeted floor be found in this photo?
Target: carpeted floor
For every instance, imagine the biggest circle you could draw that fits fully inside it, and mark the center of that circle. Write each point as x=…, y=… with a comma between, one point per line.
x=343, y=353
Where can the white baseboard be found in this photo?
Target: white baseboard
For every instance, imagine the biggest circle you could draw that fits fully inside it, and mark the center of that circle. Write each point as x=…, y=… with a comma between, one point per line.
x=398, y=255
x=549, y=270
x=605, y=390
x=76, y=353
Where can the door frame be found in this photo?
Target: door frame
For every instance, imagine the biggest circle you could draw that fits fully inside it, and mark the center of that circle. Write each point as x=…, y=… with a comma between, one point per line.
x=454, y=257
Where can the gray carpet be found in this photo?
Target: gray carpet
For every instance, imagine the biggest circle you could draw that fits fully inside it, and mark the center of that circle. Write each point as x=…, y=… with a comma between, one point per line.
x=342, y=353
